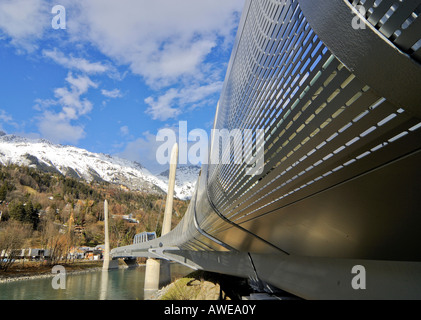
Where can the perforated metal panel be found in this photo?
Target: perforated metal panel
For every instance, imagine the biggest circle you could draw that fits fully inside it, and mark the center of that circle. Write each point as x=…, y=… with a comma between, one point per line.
x=340, y=176
x=399, y=21
x=340, y=183
x=320, y=121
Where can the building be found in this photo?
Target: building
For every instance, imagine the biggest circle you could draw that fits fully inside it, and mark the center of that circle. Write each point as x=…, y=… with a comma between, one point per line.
x=29, y=254
x=127, y=217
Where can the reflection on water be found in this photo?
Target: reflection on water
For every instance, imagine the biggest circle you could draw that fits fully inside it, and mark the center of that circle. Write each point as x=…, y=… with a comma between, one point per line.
x=104, y=286
x=121, y=284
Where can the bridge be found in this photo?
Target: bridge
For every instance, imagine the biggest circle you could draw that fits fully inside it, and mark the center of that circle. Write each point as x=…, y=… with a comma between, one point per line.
x=333, y=209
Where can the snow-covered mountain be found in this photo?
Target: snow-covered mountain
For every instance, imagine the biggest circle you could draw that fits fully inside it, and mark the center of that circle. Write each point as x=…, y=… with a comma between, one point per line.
x=80, y=163
x=186, y=178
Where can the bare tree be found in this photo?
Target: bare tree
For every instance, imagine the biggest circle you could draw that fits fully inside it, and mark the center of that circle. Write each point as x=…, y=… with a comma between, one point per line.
x=57, y=243
x=13, y=236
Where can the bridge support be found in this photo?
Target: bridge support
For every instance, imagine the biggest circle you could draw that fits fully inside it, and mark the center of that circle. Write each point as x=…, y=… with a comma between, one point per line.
x=157, y=272
x=151, y=277
x=131, y=262
x=108, y=263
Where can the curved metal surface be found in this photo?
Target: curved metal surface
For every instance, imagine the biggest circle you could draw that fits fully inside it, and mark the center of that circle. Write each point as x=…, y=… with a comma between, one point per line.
x=366, y=51
x=341, y=183
x=397, y=20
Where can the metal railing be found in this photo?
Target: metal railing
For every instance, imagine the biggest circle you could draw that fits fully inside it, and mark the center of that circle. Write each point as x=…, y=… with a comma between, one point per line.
x=144, y=237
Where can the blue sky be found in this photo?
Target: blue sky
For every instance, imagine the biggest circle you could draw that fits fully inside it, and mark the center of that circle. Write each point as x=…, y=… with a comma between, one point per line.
x=118, y=73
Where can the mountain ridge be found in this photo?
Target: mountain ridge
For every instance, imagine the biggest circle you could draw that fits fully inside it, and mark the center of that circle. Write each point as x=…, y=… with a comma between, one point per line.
x=83, y=164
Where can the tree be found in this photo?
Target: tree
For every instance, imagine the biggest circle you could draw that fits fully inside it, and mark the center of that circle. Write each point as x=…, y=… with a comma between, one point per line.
x=17, y=210
x=121, y=233
x=32, y=214
x=27, y=213
x=5, y=188
x=3, y=192
x=58, y=244
x=12, y=238
x=93, y=234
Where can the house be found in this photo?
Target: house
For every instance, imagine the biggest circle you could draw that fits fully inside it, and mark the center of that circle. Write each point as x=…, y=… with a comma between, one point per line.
x=127, y=217
x=93, y=254
x=38, y=254
x=31, y=254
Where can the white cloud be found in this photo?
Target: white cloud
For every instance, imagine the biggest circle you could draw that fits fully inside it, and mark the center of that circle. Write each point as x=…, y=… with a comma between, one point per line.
x=143, y=150
x=170, y=44
x=57, y=126
x=162, y=108
x=124, y=130
x=72, y=105
x=5, y=118
x=58, y=129
x=24, y=21
x=112, y=93
x=81, y=84
x=73, y=63
x=172, y=103
x=161, y=40
x=164, y=68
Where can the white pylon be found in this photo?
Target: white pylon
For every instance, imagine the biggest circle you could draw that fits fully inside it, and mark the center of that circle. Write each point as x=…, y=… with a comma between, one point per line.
x=157, y=272
x=108, y=263
x=166, y=225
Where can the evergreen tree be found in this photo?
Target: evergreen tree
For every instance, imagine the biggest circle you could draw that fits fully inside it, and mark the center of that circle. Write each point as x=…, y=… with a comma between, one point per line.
x=26, y=213
x=31, y=214
x=17, y=211
x=5, y=188
x=3, y=192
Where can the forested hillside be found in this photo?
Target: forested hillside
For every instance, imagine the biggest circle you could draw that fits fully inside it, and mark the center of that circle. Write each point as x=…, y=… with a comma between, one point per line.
x=49, y=210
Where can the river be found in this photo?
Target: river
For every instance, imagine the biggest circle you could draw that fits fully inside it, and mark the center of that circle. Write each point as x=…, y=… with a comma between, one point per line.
x=121, y=284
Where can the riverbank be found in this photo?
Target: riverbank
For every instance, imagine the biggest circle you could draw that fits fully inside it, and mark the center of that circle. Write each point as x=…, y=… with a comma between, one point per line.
x=90, y=284
x=37, y=270
x=203, y=285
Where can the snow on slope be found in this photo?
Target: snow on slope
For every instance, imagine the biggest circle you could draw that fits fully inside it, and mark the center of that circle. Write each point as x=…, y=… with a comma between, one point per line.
x=186, y=178
x=89, y=166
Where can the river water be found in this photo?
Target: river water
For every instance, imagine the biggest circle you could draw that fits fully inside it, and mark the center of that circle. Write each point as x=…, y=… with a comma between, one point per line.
x=121, y=284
